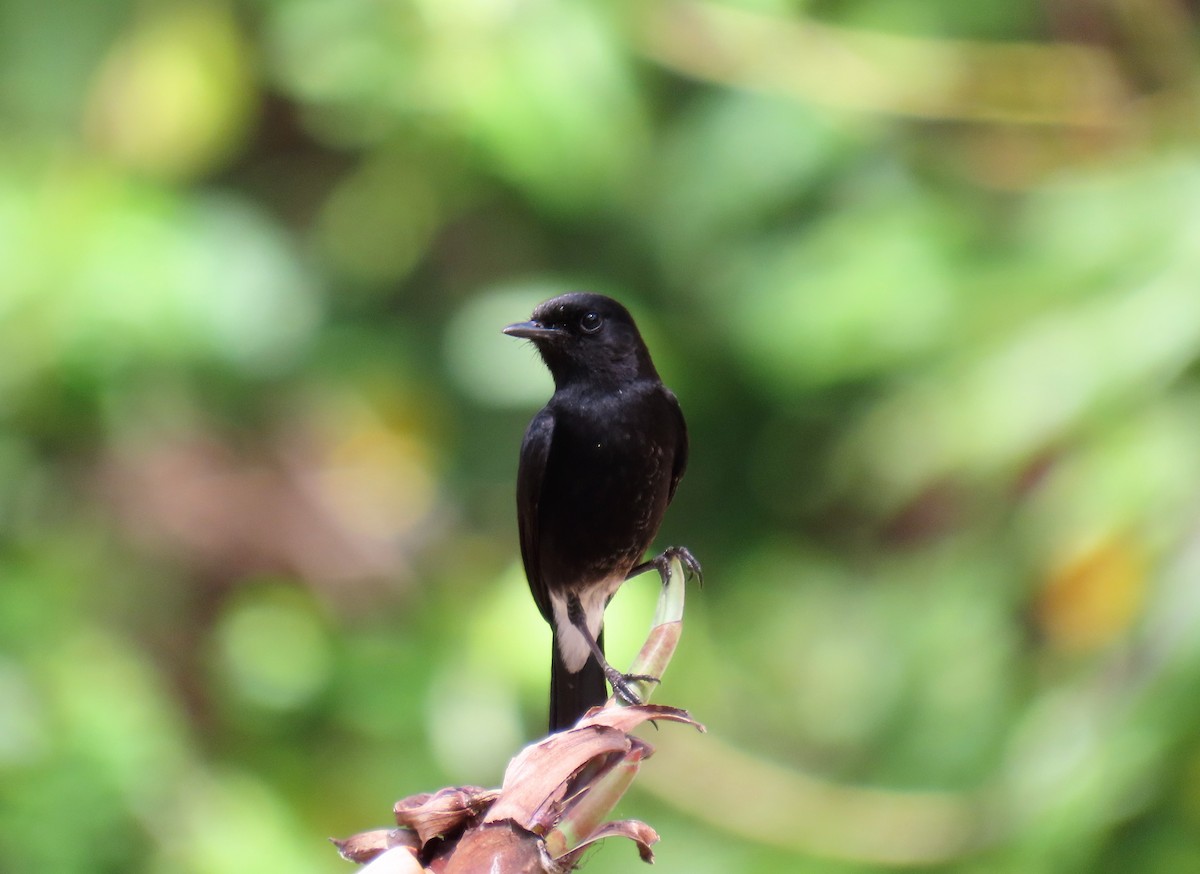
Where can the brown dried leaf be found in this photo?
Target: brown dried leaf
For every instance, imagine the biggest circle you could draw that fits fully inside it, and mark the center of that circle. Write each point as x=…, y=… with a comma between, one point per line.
x=638, y=832
x=541, y=775
x=365, y=846
x=445, y=812
x=501, y=847
x=626, y=719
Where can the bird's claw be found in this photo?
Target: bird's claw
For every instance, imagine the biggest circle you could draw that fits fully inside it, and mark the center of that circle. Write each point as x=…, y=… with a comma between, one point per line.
x=622, y=685
x=662, y=564
x=691, y=564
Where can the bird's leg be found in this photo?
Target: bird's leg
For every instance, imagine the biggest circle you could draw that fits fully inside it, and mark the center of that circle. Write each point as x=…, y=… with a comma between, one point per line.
x=622, y=684
x=662, y=564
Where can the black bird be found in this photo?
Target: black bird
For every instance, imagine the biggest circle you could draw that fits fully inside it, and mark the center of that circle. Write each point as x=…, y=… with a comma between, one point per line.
x=599, y=464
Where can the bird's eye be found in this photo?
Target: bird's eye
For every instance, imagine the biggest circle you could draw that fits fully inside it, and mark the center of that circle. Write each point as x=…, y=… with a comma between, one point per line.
x=590, y=322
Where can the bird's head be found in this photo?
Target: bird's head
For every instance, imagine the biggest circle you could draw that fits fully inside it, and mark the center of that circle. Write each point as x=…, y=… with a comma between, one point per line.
x=585, y=336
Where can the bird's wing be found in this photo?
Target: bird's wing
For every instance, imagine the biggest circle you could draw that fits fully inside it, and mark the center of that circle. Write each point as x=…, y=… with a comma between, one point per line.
x=681, y=445
x=535, y=451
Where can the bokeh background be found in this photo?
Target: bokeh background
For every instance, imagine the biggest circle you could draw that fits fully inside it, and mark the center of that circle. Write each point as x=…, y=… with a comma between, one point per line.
x=925, y=275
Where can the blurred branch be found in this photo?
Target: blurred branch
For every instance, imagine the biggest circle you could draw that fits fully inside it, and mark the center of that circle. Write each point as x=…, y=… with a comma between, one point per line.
x=1162, y=35
x=768, y=802
x=937, y=79
x=1076, y=734
x=556, y=792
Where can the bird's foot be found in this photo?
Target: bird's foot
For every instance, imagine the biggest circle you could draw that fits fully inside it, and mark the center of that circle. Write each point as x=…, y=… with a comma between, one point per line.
x=662, y=564
x=623, y=685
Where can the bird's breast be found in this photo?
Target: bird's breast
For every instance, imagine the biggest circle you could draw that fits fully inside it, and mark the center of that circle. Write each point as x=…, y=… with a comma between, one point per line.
x=606, y=487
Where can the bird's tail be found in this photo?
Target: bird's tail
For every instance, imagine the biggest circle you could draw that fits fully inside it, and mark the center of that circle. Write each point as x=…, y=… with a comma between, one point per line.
x=572, y=694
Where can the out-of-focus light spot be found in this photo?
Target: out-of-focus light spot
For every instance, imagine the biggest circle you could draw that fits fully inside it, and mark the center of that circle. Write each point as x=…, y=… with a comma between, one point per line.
x=1094, y=595
x=113, y=274
x=812, y=311
x=627, y=619
x=376, y=505
x=379, y=477
x=474, y=720
x=847, y=684
x=490, y=367
x=272, y=648
x=235, y=822
x=463, y=13
x=378, y=221
x=710, y=187
x=243, y=285
x=474, y=725
x=176, y=95
x=22, y=729
x=523, y=88
x=1056, y=754
x=113, y=709
x=346, y=52
x=506, y=631
x=993, y=411
x=823, y=647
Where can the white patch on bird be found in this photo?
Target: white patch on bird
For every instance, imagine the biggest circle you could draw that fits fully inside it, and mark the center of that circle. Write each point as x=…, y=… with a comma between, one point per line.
x=594, y=599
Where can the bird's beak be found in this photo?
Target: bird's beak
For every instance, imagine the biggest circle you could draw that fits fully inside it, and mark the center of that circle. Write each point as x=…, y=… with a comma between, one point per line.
x=532, y=331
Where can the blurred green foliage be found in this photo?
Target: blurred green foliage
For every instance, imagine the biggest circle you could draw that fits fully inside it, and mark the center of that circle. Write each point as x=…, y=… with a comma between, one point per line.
x=923, y=274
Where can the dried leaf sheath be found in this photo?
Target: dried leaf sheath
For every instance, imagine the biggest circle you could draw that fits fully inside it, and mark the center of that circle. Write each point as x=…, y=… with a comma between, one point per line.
x=556, y=793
